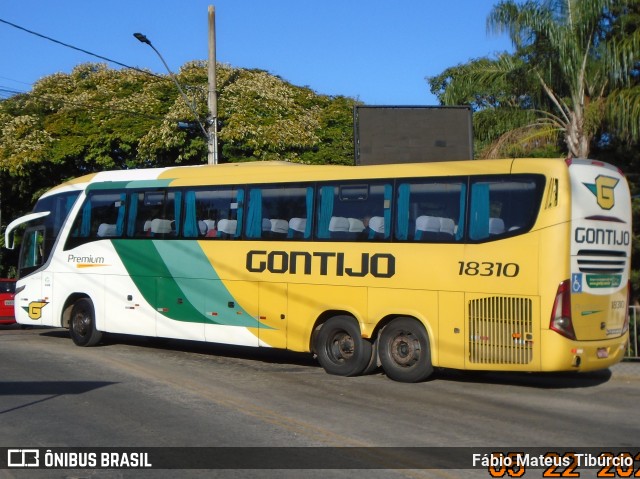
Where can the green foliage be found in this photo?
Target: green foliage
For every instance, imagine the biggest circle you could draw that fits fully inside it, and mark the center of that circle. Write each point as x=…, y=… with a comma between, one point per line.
x=266, y=118
x=574, y=70
x=97, y=118
x=504, y=122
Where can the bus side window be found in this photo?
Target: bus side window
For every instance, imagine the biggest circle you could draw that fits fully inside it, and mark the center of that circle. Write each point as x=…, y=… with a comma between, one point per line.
x=213, y=213
x=377, y=215
x=154, y=213
x=345, y=212
x=102, y=216
x=279, y=212
x=430, y=210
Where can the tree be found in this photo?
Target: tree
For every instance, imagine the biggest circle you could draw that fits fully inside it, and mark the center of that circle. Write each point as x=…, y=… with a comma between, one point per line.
x=97, y=118
x=261, y=117
x=574, y=67
x=505, y=123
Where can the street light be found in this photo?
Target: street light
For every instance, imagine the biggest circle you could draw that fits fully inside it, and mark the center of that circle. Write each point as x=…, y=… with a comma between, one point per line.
x=143, y=39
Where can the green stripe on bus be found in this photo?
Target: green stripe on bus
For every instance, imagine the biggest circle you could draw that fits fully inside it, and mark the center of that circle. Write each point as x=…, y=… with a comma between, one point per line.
x=123, y=185
x=177, y=279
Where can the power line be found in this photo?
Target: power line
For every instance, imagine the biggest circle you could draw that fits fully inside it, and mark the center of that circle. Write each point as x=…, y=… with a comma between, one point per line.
x=13, y=80
x=7, y=92
x=77, y=48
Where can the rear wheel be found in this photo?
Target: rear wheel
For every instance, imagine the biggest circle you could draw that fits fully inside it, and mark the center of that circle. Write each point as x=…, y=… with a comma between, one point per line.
x=374, y=362
x=404, y=351
x=341, y=349
x=82, y=324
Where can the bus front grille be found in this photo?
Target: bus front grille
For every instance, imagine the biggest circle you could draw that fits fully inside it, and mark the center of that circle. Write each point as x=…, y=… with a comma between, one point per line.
x=500, y=330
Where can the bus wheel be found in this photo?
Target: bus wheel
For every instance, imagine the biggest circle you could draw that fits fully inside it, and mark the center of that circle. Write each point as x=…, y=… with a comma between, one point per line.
x=374, y=363
x=341, y=349
x=82, y=325
x=404, y=351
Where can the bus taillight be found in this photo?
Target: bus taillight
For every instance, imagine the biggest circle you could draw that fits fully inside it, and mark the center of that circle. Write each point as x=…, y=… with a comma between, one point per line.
x=561, y=312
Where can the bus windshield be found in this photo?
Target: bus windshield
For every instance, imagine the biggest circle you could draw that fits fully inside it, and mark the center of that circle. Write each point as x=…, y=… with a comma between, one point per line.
x=43, y=226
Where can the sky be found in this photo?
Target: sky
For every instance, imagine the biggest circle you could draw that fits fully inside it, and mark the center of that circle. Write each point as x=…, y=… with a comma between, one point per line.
x=376, y=51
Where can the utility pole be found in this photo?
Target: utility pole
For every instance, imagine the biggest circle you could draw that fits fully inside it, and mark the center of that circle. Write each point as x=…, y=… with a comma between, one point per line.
x=212, y=100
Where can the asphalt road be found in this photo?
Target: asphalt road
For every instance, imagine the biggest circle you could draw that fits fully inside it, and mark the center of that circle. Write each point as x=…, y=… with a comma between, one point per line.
x=137, y=393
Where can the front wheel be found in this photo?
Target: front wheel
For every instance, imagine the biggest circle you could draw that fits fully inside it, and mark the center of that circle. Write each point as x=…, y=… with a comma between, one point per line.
x=404, y=351
x=341, y=349
x=82, y=325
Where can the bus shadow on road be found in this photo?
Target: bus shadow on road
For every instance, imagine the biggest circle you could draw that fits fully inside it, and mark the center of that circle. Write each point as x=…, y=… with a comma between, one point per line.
x=560, y=380
x=266, y=355
x=557, y=380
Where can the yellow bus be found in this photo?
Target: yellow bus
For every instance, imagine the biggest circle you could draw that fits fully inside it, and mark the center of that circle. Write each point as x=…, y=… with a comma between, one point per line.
x=505, y=265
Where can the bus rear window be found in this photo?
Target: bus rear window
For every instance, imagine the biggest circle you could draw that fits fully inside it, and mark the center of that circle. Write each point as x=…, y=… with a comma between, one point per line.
x=502, y=207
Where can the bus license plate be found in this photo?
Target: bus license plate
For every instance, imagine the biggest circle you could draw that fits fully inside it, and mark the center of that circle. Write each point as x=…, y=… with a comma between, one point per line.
x=8, y=302
x=602, y=353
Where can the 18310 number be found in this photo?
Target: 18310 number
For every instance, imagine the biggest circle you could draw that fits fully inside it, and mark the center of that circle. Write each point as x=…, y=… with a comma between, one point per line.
x=487, y=268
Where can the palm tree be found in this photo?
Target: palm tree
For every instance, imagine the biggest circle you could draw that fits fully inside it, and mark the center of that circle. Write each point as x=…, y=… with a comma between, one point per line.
x=577, y=59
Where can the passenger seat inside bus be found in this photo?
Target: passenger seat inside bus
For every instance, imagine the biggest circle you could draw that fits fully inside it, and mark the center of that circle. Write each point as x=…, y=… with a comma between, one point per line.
x=376, y=227
x=496, y=226
x=448, y=228
x=161, y=227
x=427, y=228
x=434, y=228
x=266, y=226
x=356, y=226
x=339, y=227
x=106, y=230
x=297, y=227
x=227, y=228
x=279, y=228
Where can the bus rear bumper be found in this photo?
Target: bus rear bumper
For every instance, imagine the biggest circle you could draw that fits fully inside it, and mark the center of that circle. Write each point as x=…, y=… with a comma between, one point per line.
x=562, y=354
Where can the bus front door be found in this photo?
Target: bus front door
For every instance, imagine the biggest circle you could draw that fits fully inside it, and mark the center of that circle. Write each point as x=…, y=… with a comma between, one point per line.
x=38, y=285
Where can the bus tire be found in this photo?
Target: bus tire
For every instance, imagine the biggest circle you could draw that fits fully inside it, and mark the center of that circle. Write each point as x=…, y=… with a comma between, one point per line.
x=374, y=362
x=341, y=349
x=82, y=324
x=404, y=351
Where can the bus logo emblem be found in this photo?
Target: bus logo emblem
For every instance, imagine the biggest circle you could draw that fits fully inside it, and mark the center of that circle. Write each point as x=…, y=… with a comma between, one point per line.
x=35, y=309
x=603, y=191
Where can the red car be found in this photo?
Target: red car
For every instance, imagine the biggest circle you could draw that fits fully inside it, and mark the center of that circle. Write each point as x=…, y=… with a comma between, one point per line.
x=7, y=292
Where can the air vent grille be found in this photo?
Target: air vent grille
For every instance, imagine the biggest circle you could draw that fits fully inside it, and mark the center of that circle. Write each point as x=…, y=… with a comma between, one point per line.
x=601, y=261
x=500, y=330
